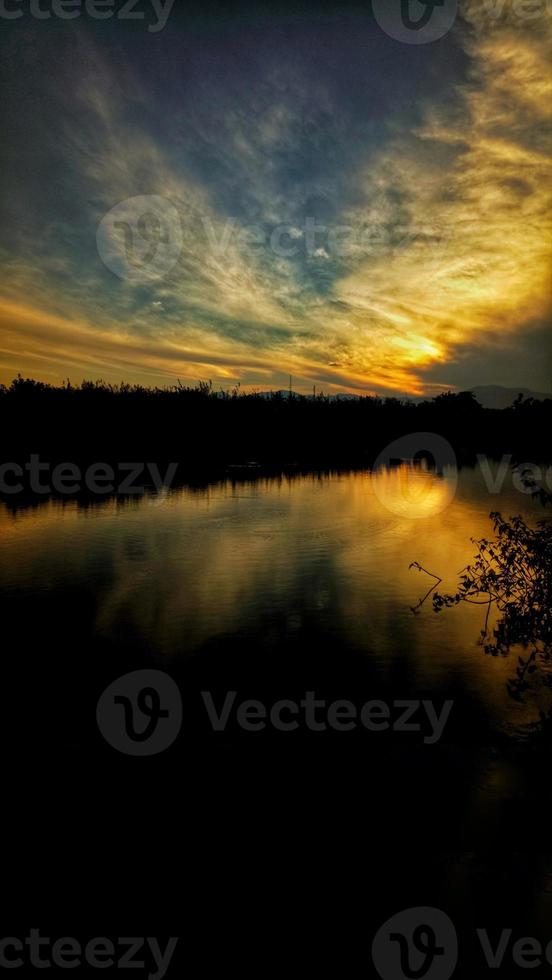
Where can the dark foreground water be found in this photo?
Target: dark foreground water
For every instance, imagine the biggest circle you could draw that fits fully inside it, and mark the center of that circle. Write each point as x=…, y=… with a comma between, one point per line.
x=266, y=560
x=272, y=588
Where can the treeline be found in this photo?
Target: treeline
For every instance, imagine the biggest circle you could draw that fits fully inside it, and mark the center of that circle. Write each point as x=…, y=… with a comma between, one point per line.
x=203, y=429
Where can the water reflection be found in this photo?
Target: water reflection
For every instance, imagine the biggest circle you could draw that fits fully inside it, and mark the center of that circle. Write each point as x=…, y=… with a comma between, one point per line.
x=276, y=587
x=269, y=559
x=414, y=491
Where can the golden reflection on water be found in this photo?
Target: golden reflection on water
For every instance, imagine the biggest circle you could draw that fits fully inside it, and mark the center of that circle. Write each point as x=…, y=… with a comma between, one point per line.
x=325, y=551
x=413, y=491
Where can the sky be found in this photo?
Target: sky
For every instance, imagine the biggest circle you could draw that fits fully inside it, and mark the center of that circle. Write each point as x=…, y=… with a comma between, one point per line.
x=248, y=192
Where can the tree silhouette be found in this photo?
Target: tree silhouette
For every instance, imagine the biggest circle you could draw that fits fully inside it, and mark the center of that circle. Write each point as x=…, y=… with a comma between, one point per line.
x=511, y=572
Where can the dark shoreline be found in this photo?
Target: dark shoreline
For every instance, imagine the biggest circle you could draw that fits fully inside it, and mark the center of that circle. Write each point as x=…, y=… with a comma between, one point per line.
x=207, y=431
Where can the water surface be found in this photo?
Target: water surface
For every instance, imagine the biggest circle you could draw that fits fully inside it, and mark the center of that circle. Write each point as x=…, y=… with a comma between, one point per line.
x=265, y=561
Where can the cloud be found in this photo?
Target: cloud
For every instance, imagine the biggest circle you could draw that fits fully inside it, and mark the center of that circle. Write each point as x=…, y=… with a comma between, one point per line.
x=470, y=191
x=432, y=229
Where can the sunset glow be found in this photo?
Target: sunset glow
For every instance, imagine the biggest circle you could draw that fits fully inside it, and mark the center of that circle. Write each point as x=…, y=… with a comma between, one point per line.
x=433, y=270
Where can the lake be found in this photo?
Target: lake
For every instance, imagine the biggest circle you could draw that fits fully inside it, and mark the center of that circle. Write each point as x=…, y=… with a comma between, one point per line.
x=268, y=560
x=272, y=588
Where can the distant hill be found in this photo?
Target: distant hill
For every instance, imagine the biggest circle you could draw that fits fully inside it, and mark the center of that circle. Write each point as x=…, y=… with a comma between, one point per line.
x=495, y=396
x=284, y=393
x=489, y=396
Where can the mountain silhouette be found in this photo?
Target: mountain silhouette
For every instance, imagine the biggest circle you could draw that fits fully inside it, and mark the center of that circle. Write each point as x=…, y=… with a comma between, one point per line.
x=496, y=396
